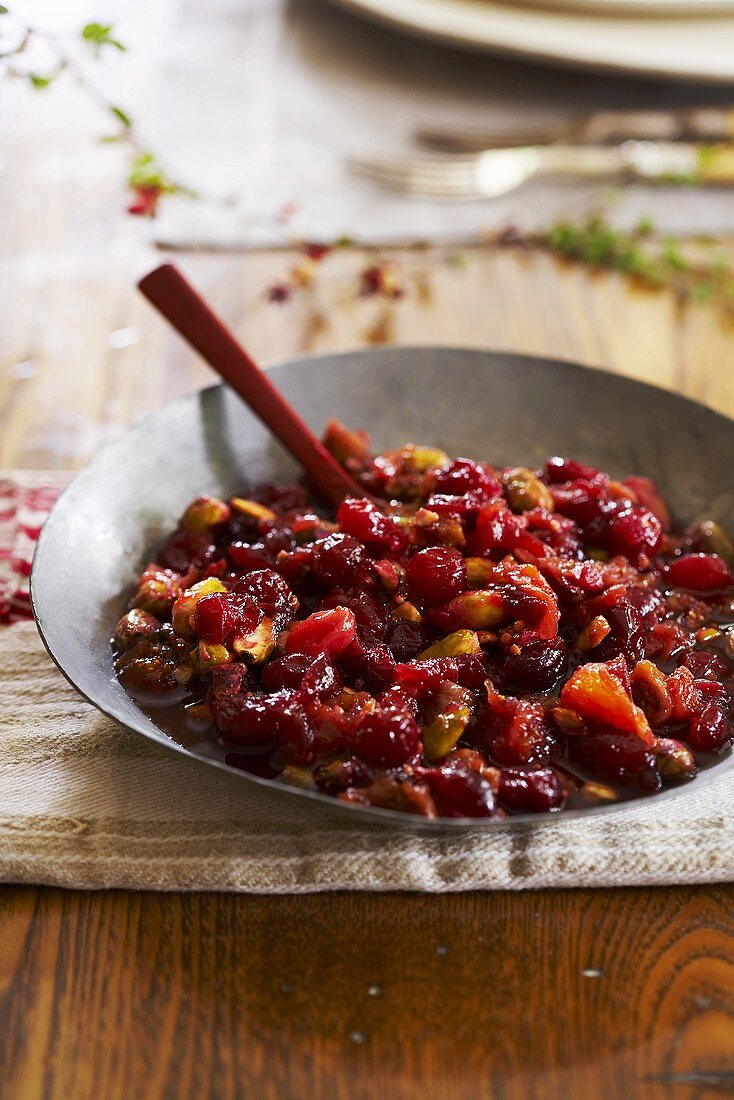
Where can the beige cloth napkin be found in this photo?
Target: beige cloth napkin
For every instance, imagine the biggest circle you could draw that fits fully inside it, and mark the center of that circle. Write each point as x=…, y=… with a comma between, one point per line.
x=87, y=803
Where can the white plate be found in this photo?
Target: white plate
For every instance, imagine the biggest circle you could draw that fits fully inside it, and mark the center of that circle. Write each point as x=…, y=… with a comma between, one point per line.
x=660, y=8
x=688, y=48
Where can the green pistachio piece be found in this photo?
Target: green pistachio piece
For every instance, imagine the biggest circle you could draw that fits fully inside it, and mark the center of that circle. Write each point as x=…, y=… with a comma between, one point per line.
x=420, y=459
x=524, y=490
x=715, y=540
x=407, y=612
x=203, y=513
x=207, y=656
x=478, y=610
x=135, y=625
x=252, y=509
x=256, y=647
x=298, y=777
x=453, y=645
x=440, y=736
x=674, y=760
x=478, y=572
x=185, y=605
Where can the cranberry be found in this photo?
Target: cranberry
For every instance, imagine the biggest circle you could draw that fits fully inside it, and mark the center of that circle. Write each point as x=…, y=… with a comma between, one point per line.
x=368, y=524
x=386, y=739
x=221, y=616
x=538, y=666
x=626, y=637
x=701, y=572
x=460, y=793
x=705, y=665
x=330, y=632
x=436, y=575
x=459, y=507
x=406, y=640
x=315, y=676
x=337, y=559
x=515, y=731
x=297, y=567
x=368, y=612
x=368, y=667
x=530, y=792
x=248, y=557
x=286, y=672
x=565, y=469
x=633, y=532
x=616, y=757
x=709, y=729
x=282, y=498
x=426, y=676
x=648, y=495
x=582, y=501
x=321, y=680
x=471, y=670
x=464, y=476
x=712, y=690
x=185, y=549
x=268, y=589
x=498, y=529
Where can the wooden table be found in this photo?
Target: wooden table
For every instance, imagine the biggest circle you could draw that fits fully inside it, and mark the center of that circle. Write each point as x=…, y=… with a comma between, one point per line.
x=613, y=994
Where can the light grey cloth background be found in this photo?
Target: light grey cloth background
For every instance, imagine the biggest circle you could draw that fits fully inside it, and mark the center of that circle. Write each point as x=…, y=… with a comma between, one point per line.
x=86, y=803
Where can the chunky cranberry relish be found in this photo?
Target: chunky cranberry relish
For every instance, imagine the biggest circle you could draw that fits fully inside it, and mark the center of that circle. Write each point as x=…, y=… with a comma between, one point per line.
x=489, y=642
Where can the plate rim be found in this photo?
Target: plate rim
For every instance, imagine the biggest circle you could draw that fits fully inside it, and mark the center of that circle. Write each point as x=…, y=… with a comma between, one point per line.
x=350, y=811
x=510, y=44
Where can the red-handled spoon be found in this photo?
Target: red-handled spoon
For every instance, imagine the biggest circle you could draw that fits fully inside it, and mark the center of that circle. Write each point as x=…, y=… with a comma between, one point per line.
x=174, y=297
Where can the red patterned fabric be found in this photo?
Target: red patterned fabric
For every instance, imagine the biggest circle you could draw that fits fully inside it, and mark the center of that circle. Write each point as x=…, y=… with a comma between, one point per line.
x=25, y=500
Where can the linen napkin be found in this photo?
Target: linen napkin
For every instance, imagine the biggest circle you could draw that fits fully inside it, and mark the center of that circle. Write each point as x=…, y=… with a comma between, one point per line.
x=86, y=803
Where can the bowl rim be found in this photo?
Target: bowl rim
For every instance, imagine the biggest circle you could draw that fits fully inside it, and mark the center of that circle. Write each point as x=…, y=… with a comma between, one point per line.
x=355, y=812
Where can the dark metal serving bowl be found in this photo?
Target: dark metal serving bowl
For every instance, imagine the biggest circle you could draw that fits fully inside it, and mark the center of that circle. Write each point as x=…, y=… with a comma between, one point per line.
x=507, y=409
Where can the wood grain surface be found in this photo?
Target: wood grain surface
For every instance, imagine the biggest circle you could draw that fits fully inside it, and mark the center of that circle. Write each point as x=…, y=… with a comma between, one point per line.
x=617, y=994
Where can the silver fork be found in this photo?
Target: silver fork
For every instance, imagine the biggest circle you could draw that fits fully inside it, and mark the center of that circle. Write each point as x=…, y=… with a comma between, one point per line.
x=497, y=171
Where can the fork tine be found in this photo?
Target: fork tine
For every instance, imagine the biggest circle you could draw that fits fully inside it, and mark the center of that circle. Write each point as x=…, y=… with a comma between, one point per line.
x=443, y=177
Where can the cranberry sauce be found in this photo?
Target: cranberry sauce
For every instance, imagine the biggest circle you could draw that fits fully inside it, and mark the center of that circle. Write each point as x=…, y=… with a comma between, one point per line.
x=487, y=642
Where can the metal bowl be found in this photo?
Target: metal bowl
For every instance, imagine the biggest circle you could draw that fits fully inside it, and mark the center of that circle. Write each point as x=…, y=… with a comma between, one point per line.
x=508, y=409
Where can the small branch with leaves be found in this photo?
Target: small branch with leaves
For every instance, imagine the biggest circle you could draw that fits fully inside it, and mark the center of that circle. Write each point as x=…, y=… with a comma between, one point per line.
x=147, y=179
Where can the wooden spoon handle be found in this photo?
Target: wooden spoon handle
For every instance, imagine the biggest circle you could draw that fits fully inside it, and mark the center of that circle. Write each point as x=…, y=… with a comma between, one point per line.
x=174, y=297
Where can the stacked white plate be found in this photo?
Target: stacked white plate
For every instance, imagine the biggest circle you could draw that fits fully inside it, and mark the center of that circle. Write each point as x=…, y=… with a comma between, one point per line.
x=684, y=39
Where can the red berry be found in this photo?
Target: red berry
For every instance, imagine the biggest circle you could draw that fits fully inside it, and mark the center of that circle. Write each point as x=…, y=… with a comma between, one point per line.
x=582, y=501
x=368, y=524
x=185, y=549
x=247, y=557
x=538, y=666
x=221, y=616
x=330, y=632
x=269, y=590
x=530, y=792
x=337, y=559
x=616, y=757
x=286, y=672
x=633, y=532
x=369, y=667
x=701, y=572
x=386, y=739
x=565, y=469
x=498, y=529
x=460, y=793
x=709, y=729
x=464, y=476
x=436, y=575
